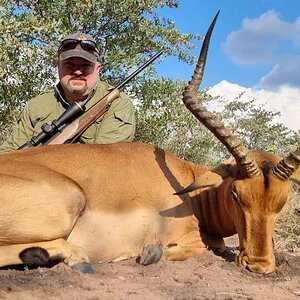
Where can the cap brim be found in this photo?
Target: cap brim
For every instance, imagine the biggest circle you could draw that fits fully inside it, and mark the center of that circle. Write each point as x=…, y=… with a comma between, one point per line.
x=78, y=53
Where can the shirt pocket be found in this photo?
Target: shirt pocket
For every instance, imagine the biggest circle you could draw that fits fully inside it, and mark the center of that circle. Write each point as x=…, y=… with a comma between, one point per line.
x=89, y=135
x=122, y=117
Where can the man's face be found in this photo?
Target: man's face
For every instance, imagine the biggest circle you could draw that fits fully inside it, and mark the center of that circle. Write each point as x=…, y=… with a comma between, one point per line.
x=78, y=77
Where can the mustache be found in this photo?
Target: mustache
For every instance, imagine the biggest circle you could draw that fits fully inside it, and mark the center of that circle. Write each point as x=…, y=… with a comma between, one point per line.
x=74, y=76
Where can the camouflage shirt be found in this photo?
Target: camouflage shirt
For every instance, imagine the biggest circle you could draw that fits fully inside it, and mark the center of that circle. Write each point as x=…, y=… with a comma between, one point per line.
x=116, y=125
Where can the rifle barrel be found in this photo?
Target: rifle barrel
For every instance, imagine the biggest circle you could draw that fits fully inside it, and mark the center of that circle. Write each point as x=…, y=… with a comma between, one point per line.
x=137, y=71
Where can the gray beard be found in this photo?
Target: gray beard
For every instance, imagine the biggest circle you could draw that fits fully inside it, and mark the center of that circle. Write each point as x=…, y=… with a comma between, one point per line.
x=77, y=92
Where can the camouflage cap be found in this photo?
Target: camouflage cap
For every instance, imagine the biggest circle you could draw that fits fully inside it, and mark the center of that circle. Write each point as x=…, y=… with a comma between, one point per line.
x=79, y=45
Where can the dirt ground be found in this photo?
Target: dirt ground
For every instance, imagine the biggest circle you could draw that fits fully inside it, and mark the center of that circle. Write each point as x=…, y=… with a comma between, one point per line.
x=204, y=277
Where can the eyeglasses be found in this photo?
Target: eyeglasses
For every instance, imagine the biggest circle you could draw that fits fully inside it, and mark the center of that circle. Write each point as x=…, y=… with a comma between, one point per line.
x=70, y=44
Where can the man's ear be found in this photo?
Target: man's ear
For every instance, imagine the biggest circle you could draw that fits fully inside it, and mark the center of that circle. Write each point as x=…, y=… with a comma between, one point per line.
x=99, y=67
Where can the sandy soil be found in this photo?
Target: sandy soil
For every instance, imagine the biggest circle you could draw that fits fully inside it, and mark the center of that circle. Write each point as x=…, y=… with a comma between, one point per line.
x=205, y=277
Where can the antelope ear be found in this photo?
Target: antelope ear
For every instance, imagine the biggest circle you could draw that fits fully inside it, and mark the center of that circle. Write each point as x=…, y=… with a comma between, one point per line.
x=295, y=177
x=210, y=178
x=225, y=169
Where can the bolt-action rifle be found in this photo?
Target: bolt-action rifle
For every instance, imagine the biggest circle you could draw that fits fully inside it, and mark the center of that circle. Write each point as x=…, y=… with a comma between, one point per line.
x=75, y=119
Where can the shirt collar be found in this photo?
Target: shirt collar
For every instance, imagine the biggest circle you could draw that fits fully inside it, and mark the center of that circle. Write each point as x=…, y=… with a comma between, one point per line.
x=59, y=95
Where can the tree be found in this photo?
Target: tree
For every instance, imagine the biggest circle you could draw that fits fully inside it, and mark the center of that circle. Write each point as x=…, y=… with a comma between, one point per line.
x=163, y=120
x=129, y=31
x=257, y=126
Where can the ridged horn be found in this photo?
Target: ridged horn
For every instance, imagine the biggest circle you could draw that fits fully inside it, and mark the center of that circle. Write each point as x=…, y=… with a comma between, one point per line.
x=234, y=145
x=287, y=166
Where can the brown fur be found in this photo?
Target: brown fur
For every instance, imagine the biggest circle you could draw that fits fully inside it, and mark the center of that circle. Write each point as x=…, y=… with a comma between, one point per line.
x=109, y=202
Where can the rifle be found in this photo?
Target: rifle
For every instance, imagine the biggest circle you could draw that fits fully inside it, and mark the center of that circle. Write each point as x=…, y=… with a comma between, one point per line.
x=75, y=120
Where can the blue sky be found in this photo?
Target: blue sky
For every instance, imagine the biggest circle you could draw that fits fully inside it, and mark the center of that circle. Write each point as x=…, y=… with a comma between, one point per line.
x=254, y=52
x=255, y=43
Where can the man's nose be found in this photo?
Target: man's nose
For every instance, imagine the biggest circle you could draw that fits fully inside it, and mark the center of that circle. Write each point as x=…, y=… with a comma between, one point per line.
x=77, y=70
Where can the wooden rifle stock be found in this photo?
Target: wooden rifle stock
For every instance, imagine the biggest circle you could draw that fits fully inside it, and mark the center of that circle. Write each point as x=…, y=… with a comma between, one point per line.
x=73, y=130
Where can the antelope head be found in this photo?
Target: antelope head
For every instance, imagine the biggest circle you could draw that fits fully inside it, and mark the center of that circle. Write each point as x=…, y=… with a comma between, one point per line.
x=256, y=188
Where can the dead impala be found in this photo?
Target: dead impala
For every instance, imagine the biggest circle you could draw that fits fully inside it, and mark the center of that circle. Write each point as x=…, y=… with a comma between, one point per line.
x=80, y=203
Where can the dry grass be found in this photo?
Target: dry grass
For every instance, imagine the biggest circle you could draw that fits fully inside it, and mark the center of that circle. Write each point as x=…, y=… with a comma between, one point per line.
x=287, y=231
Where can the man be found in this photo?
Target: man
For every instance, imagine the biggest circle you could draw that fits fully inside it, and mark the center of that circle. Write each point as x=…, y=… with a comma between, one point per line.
x=78, y=70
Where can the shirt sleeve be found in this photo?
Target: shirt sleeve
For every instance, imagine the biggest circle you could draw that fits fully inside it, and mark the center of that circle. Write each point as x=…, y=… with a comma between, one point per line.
x=22, y=131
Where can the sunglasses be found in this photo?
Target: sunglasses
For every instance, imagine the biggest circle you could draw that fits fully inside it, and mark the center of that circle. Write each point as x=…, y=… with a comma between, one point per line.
x=70, y=44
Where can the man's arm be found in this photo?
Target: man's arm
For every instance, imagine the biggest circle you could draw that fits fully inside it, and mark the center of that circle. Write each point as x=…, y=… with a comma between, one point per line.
x=39, y=110
x=22, y=131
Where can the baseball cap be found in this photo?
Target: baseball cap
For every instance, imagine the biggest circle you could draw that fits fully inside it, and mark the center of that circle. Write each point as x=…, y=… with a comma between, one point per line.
x=79, y=45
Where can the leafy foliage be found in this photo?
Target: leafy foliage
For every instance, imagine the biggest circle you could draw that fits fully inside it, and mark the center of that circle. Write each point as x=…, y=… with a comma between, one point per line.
x=257, y=126
x=129, y=31
x=163, y=120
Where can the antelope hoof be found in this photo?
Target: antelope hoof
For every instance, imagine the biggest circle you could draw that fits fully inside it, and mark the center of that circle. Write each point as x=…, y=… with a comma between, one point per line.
x=150, y=255
x=84, y=267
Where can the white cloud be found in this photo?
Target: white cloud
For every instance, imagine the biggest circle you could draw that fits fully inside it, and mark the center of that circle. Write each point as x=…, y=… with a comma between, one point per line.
x=286, y=100
x=260, y=39
x=268, y=41
x=286, y=72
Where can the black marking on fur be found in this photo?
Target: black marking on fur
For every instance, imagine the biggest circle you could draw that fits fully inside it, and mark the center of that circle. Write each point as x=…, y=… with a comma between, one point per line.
x=266, y=171
x=171, y=245
x=34, y=257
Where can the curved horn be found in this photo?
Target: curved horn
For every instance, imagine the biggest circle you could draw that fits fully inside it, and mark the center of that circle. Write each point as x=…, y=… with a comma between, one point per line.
x=210, y=121
x=287, y=166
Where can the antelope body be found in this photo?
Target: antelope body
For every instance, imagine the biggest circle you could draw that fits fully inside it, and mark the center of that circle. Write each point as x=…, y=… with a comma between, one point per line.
x=80, y=203
x=111, y=200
